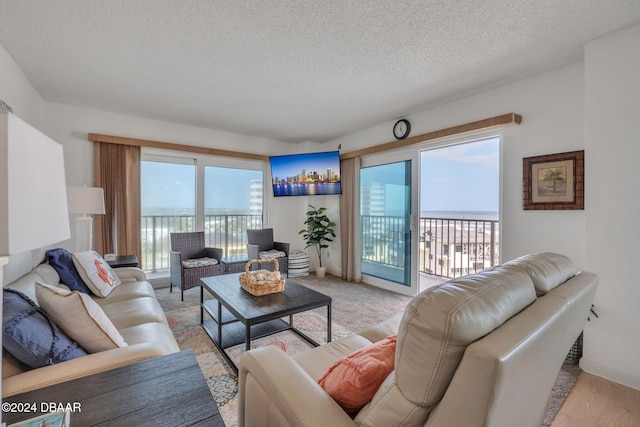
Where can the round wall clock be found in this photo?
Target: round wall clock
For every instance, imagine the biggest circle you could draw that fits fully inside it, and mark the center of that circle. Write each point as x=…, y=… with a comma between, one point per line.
x=401, y=129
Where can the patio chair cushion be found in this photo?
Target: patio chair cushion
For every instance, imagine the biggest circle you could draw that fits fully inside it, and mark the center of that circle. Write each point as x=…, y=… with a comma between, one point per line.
x=273, y=253
x=199, y=262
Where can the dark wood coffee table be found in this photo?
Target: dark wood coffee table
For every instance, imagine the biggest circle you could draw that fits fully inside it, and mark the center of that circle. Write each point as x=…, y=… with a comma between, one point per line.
x=164, y=391
x=236, y=316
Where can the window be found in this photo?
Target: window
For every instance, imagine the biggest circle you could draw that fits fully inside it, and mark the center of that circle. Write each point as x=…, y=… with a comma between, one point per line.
x=181, y=194
x=168, y=204
x=232, y=205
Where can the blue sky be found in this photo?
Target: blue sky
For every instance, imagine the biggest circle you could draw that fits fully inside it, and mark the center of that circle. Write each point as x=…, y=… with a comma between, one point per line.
x=458, y=178
x=167, y=185
x=461, y=178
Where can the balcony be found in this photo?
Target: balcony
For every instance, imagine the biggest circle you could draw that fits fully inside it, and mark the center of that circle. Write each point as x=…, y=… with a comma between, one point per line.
x=448, y=247
x=228, y=232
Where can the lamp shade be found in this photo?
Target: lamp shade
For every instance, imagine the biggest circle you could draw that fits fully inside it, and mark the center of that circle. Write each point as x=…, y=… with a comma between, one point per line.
x=33, y=195
x=86, y=200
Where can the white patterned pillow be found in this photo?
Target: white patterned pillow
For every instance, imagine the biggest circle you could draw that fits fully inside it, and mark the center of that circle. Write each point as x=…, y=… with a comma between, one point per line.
x=80, y=318
x=96, y=272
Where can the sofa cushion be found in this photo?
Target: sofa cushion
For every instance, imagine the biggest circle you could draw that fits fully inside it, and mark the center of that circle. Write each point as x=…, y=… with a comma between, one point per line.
x=31, y=336
x=317, y=360
x=135, y=311
x=436, y=328
x=439, y=323
x=546, y=269
x=151, y=332
x=96, y=272
x=353, y=380
x=80, y=318
x=62, y=261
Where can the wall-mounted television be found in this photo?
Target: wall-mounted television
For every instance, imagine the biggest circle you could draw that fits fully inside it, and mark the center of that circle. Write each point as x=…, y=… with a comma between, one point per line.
x=309, y=174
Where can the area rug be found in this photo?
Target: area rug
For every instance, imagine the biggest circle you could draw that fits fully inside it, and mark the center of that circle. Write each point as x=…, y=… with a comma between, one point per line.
x=222, y=381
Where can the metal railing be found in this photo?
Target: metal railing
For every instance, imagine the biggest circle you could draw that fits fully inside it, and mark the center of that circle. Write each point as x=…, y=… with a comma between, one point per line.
x=449, y=247
x=228, y=232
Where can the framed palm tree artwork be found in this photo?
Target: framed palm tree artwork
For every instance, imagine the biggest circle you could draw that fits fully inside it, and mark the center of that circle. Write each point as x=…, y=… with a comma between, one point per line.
x=554, y=181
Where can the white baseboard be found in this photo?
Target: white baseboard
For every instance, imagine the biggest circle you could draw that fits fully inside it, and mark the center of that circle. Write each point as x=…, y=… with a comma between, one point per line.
x=612, y=374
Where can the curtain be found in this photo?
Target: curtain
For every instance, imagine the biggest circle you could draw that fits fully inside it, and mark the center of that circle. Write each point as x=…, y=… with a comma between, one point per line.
x=350, y=220
x=116, y=168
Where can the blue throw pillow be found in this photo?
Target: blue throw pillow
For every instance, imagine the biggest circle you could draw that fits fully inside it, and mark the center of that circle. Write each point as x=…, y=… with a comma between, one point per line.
x=62, y=261
x=31, y=336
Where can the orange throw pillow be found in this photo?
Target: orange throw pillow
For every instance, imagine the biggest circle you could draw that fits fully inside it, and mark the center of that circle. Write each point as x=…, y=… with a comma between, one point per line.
x=354, y=379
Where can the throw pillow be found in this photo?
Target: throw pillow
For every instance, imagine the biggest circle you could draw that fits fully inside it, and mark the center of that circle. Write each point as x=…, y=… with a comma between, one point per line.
x=31, y=336
x=62, y=261
x=96, y=272
x=79, y=317
x=354, y=379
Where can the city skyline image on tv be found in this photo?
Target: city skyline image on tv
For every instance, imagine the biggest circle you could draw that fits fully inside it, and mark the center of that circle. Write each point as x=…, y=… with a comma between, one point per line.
x=308, y=174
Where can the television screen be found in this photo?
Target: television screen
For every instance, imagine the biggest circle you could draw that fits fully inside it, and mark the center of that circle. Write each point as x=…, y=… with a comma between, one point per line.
x=310, y=174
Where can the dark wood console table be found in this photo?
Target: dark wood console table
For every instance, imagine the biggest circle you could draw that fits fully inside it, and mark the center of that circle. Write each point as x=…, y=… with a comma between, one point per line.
x=164, y=391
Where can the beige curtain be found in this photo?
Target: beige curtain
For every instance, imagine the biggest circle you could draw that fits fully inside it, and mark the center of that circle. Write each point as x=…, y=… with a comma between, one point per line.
x=116, y=169
x=349, y=219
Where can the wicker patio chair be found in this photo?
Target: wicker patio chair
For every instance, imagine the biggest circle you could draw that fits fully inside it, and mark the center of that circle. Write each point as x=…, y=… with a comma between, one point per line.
x=261, y=241
x=190, y=260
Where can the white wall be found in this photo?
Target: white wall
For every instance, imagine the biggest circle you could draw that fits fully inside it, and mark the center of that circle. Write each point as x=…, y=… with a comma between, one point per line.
x=18, y=92
x=612, y=109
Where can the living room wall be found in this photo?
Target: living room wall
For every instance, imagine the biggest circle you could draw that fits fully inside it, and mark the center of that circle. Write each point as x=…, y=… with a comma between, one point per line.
x=612, y=105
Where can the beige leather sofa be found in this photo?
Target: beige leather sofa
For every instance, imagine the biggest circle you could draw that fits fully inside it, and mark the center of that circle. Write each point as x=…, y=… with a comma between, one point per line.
x=133, y=309
x=482, y=350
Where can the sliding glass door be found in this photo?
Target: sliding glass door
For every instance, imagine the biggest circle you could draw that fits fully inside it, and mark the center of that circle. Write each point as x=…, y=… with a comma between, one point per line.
x=386, y=224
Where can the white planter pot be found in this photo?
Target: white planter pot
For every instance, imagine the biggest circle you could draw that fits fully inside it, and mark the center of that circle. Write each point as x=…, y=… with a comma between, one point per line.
x=321, y=271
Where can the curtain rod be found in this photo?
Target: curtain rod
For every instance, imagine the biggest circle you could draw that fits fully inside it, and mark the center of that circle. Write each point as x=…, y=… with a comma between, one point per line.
x=95, y=137
x=504, y=119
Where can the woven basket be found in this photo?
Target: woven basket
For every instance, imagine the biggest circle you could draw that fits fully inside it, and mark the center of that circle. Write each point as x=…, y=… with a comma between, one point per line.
x=250, y=283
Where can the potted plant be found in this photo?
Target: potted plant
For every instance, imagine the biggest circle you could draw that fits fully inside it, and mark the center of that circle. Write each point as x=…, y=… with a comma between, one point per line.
x=318, y=233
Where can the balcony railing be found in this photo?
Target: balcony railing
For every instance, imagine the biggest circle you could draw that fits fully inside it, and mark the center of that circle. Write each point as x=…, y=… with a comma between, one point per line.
x=228, y=232
x=449, y=247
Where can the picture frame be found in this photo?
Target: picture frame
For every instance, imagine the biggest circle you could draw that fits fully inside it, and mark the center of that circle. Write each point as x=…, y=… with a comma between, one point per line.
x=554, y=181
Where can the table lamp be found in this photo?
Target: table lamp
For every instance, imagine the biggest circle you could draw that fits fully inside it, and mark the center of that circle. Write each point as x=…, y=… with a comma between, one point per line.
x=86, y=201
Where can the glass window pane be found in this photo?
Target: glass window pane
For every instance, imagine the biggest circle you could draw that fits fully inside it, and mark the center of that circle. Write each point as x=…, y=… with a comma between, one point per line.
x=385, y=207
x=232, y=204
x=168, y=202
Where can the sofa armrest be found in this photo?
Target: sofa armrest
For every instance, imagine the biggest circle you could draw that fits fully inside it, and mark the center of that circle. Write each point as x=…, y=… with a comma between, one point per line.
x=81, y=367
x=273, y=388
x=125, y=273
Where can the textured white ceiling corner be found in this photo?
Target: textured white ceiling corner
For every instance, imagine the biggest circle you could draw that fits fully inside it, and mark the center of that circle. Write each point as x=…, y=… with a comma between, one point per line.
x=292, y=70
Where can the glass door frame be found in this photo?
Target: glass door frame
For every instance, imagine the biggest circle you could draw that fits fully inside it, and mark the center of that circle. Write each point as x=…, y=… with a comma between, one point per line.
x=396, y=157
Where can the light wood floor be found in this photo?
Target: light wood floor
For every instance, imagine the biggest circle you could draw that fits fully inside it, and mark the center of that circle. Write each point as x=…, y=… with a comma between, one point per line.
x=597, y=402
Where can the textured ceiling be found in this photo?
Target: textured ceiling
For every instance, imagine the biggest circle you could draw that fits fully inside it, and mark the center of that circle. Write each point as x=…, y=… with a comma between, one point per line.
x=292, y=70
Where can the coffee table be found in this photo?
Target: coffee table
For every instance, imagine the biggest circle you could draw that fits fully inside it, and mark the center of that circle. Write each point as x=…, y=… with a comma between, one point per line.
x=236, y=316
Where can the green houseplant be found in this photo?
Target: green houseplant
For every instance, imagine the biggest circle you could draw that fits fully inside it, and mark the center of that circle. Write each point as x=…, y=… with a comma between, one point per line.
x=318, y=233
